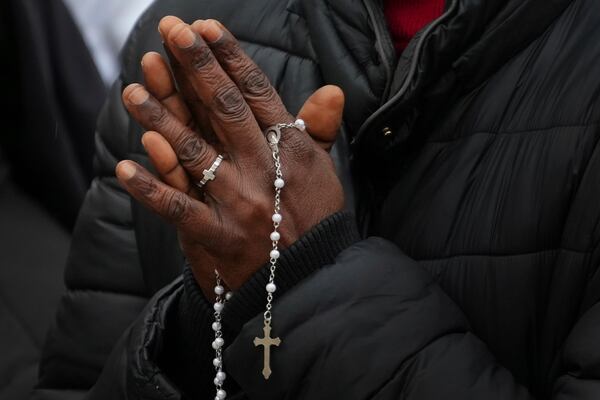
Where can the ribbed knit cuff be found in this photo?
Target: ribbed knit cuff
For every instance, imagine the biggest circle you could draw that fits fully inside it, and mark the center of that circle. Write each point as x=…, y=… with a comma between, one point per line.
x=317, y=248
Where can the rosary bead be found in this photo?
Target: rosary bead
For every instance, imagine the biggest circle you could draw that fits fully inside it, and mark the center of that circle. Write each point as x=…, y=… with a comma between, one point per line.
x=221, y=394
x=228, y=295
x=221, y=376
x=300, y=124
x=216, y=362
x=216, y=326
x=271, y=288
x=275, y=236
x=279, y=183
x=277, y=217
x=217, y=382
x=218, y=307
x=274, y=254
x=219, y=290
x=218, y=343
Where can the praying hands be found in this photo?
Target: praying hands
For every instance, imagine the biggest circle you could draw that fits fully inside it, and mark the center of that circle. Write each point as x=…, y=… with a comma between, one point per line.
x=215, y=102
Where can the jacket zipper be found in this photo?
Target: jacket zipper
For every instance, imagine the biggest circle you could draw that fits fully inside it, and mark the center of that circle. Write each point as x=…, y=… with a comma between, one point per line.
x=413, y=66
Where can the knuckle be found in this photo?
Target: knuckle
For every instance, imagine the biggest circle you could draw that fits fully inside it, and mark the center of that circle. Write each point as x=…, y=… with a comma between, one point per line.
x=176, y=206
x=230, y=104
x=147, y=187
x=192, y=152
x=158, y=117
x=256, y=83
x=201, y=57
x=230, y=51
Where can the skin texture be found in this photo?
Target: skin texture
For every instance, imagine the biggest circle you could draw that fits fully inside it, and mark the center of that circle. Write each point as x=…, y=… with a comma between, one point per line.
x=223, y=104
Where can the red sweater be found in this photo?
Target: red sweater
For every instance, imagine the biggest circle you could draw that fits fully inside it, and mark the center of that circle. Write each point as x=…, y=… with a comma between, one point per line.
x=407, y=17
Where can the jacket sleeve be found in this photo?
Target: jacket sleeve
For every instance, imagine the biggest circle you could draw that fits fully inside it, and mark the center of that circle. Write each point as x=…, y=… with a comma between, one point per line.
x=369, y=323
x=372, y=325
x=581, y=360
x=104, y=294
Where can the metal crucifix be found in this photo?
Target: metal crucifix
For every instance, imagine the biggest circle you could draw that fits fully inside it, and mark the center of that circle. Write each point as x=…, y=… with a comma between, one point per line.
x=267, y=342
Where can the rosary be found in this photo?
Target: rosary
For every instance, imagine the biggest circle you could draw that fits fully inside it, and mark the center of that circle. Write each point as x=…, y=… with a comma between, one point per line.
x=273, y=136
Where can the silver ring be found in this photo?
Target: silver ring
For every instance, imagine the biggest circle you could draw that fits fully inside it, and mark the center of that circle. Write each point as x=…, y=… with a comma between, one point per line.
x=209, y=174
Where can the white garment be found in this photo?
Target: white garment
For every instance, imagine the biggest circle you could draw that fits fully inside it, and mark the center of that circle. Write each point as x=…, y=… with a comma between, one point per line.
x=105, y=25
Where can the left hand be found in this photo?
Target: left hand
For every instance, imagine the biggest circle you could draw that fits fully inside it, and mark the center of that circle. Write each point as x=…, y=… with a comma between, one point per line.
x=229, y=223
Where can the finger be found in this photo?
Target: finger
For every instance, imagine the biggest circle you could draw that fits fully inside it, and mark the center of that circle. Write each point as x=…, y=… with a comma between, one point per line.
x=171, y=204
x=186, y=90
x=165, y=161
x=160, y=84
x=199, y=110
x=323, y=113
x=230, y=115
x=192, y=151
x=260, y=95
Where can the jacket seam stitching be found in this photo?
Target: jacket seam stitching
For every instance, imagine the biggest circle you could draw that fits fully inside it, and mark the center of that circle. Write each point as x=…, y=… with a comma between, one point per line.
x=524, y=131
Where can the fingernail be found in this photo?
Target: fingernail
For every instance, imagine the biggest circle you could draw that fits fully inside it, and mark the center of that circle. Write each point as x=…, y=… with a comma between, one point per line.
x=212, y=31
x=144, y=140
x=125, y=170
x=138, y=96
x=184, y=38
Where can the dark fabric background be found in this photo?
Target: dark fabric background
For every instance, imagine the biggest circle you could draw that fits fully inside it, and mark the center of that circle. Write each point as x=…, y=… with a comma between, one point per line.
x=50, y=96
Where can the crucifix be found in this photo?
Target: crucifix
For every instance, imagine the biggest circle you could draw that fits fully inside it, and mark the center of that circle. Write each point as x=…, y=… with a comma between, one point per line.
x=267, y=342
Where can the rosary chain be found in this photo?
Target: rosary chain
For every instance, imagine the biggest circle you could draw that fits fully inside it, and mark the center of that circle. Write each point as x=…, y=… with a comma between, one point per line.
x=218, y=343
x=273, y=139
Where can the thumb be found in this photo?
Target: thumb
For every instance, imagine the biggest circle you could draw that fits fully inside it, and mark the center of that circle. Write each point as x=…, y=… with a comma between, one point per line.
x=322, y=113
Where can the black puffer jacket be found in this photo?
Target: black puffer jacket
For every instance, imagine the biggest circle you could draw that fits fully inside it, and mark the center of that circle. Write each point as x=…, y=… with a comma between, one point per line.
x=485, y=186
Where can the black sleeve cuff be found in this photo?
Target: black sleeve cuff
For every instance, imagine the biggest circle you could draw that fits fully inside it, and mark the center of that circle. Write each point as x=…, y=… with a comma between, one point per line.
x=317, y=248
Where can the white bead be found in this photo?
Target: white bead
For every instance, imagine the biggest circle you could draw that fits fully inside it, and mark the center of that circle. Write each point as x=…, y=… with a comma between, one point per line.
x=218, y=343
x=218, y=307
x=221, y=394
x=277, y=217
x=271, y=288
x=216, y=326
x=300, y=124
x=219, y=290
x=221, y=376
x=228, y=295
x=275, y=236
x=279, y=183
x=217, y=382
x=275, y=254
x=216, y=362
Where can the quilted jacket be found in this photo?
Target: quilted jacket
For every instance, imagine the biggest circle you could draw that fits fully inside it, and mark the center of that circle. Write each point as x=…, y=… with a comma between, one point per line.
x=472, y=163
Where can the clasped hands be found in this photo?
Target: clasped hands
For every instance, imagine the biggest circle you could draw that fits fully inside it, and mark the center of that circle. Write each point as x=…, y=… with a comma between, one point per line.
x=215, y=100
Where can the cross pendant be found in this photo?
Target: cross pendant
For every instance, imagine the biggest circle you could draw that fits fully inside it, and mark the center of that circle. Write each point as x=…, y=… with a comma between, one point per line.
x=267, y=342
